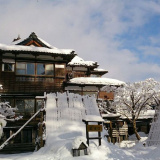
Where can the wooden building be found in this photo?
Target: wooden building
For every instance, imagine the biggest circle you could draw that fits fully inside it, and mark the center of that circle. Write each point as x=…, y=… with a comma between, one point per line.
x=30, y=67
x=77, y=67
x=27, y=70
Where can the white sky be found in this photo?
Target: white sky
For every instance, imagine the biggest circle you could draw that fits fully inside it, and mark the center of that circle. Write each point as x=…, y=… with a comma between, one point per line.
x=122, y=36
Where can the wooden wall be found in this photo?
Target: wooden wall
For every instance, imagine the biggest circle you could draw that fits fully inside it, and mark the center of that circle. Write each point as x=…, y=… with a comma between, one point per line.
x=105, y=95
x=26, y=84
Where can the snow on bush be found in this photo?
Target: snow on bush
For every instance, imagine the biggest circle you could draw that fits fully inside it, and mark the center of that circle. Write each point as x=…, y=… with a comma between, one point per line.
x=2, y=124
x=6, y=113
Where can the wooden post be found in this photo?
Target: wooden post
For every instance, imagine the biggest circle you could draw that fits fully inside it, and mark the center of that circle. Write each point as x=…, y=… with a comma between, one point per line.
x=40, y=134
x=93, y=128
x=110, y=132
x=99, y=134
x=87, y=133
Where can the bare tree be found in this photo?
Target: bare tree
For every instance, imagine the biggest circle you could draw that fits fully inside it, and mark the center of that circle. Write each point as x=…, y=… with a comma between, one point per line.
x=133, y=99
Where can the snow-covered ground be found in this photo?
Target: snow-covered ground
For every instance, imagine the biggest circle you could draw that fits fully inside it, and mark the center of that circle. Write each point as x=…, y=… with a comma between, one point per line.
x=63, y=122
x=61, y=150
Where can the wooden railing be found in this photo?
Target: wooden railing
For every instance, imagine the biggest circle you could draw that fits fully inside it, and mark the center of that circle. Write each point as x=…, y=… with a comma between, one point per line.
x=120, y=132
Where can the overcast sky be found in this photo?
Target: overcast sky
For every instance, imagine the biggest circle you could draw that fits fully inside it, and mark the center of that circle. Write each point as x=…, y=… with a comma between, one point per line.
x=123, y=36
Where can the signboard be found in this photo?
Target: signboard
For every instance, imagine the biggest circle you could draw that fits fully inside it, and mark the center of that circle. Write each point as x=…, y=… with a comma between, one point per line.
x=94, y=128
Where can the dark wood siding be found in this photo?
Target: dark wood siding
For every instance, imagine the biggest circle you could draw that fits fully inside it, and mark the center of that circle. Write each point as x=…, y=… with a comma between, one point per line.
x=26, y=84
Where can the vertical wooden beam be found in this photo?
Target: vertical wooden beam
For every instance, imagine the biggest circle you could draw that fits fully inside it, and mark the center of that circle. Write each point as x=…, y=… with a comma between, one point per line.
x=99, y=134
x=40, y=133
x=87, y=133
x=110, y=133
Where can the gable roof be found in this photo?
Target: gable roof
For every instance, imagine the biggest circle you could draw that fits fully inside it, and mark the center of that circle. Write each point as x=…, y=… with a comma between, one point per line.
x=19, y=48
x=33, y=39
x=79, y=142
x=34, y=44
x=77, y=61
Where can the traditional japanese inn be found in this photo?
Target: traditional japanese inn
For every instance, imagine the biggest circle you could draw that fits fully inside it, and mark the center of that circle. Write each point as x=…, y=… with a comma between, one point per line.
x=30, y=68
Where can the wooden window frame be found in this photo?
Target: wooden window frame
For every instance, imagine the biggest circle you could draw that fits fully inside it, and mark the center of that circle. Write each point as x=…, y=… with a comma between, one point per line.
x=3, y=67
x=25, y=69
x=45, y=70
x=60, y=67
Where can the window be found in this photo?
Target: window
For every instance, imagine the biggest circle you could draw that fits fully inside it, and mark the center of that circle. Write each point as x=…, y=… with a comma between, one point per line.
x=45, y=69
x=49, y=69
x=25, y=68
x=40, y=69
x=39, y=104
x=95, y=75
x=25, y=106
x=8, y=67
x=59, y=70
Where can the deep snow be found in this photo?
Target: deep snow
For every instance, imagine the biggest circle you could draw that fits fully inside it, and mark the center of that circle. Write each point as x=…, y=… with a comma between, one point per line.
x=64, y=124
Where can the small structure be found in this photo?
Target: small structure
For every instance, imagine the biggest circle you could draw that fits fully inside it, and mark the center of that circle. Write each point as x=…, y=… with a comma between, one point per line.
x=117, y=129
x=79, y=147
x=93, y=128
x=90, y=85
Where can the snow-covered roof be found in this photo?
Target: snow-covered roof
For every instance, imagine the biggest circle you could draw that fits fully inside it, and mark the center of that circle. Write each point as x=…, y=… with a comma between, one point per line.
x=143, y=114
x=77, y=142
x=95, y=80
x=147, y=114
x=100, y=70
x=93, y=118
x=76, y=61
x=46, y=43
x=34, y=49
x=34, y=37
x=110, y=115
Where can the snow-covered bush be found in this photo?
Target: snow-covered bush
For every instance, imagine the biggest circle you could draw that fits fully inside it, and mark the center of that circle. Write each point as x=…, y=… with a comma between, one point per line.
x=2, y=124
x=7, y=113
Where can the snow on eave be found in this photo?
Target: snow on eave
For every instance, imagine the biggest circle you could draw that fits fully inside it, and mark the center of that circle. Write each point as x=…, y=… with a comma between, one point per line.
x=4, y=47
x=17, y=41
x=95, y=81
x=77, y=61
x=93, y=118
x=100, y=70
x=46, y=43
x=143, y=115
x=110, y=115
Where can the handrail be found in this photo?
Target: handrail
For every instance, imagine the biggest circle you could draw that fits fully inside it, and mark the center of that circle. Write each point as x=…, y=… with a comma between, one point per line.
x=13, y=135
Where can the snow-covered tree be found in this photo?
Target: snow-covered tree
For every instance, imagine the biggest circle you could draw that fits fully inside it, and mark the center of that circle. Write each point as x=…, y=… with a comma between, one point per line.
x=7, y=113
x=134, y=98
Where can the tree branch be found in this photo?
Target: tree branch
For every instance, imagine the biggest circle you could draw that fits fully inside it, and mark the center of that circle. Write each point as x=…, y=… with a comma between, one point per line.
x=143, y=105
